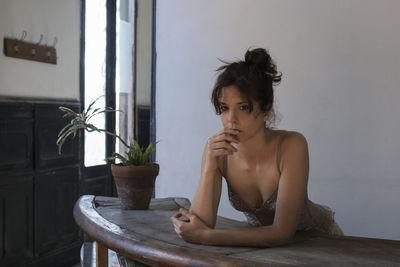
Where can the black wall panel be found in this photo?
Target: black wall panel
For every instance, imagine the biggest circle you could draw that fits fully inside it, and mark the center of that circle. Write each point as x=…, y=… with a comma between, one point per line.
x=55, y=195
x=38, y=186
x=48, y=123
x=16, y=137
x=16, y=224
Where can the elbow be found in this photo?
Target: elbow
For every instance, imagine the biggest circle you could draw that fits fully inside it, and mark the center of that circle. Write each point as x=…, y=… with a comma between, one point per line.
x=279, y=239
x=277, y=242
x=209, y=222
x=284, y=240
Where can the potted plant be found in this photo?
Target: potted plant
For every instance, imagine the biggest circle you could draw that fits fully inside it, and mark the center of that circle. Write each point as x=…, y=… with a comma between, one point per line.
x=135, y=174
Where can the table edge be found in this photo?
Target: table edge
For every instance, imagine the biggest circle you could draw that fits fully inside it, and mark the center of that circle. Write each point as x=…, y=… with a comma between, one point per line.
x=142, y=250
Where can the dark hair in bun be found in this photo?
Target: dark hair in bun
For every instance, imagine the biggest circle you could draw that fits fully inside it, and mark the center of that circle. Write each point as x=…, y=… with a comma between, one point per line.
x=261, y=60
x=254, y=77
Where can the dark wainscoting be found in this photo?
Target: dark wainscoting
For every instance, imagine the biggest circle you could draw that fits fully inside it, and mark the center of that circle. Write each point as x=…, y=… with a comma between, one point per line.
x=143, y=128
x=16, y=138
x=38, y=186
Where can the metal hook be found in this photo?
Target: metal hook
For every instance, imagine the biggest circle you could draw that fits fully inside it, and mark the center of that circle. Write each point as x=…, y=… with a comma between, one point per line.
x=41, y=38
x=16, y=44
x=23, y=36
x=55, y=42
x=33, y=48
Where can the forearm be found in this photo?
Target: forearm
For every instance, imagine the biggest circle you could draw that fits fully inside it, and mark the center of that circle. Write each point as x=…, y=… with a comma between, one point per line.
x=265, y=236
x=206, y=201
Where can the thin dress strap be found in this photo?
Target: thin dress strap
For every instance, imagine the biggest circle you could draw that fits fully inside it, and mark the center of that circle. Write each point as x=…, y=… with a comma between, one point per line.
x=278, y=157
x=278, y=154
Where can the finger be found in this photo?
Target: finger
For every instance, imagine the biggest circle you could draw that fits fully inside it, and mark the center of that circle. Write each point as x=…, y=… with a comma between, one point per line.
x=227, y=137
x=177, y=215
x=231, y=132
x=176, y=221
x=187, y=214
x=179, y=232
x=222, y=145
x=223, y=135
x=182, y=211
x=221, y=152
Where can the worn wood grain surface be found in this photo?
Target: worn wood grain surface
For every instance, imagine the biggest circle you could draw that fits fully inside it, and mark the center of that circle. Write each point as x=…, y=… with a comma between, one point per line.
x=148, y=236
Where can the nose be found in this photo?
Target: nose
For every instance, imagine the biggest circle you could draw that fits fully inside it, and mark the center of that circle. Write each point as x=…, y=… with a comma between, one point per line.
x=232, y=116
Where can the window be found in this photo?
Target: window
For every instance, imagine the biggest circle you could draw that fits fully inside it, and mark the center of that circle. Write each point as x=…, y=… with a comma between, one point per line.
x=97, y=69
x=110, y=56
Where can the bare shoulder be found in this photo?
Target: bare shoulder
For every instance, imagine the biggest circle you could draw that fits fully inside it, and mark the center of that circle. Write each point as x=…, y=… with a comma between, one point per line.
x=294, y=142
x=294, y=156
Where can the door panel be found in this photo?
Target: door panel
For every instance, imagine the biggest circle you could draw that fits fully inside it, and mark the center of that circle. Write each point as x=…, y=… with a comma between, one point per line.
x=16, y=133
x=49, y=122
x=55, y=194
x=16, y=229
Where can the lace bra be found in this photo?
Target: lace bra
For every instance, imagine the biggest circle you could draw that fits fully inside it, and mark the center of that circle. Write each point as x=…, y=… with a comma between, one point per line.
x=313, y=216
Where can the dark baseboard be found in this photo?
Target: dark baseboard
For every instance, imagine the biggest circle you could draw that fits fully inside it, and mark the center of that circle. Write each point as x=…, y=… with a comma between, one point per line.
x=64, y=256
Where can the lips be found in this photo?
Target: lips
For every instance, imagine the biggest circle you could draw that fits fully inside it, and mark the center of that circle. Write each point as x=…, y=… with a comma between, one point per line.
x=230, y=126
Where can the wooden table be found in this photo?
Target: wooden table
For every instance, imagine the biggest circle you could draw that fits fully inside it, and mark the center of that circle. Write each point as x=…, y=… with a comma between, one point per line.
x=148, y=236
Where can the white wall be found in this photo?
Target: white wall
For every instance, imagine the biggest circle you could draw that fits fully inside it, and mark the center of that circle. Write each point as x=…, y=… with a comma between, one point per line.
x=341, y=77
x=52, y=18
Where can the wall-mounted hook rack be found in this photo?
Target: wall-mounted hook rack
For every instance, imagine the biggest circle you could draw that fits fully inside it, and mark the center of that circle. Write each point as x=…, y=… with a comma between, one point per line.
x=18, y=48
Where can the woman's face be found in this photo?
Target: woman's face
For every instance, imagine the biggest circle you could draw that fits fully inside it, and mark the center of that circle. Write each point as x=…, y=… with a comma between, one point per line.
x=235, y=114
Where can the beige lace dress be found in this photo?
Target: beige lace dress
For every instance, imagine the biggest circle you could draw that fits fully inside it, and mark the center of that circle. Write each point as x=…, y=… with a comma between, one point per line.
x=316, y=219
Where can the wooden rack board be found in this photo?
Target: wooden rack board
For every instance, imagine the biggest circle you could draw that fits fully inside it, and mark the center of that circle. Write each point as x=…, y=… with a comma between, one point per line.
x=30, y=51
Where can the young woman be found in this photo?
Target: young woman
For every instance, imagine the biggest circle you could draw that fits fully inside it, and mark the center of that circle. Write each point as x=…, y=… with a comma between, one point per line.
x=266, y=170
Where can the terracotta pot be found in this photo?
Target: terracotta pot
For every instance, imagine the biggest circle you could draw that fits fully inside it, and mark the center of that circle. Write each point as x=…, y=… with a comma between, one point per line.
x=135, y=185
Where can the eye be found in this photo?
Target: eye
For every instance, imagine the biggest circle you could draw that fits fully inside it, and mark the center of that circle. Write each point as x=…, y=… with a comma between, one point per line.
x=244, y=107
x=223, y=108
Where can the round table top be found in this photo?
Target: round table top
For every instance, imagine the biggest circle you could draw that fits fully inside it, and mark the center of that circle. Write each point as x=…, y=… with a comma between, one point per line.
x=148, y=236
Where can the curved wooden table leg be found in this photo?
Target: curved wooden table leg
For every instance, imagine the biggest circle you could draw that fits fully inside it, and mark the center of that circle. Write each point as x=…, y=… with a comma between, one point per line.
x=101, y=255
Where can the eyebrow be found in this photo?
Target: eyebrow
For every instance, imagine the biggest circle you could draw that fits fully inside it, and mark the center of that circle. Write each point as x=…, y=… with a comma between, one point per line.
x=239, y=103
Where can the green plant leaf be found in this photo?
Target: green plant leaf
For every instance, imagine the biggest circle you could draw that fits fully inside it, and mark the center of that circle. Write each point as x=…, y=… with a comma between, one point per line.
x=118, y=156
x=60, y=141
x=64, y=129
x=147, y=154
x=135, y=155
x=66, y=115
x=68, y=111
x=92, y=112
x=92, y=127
x=91, y=105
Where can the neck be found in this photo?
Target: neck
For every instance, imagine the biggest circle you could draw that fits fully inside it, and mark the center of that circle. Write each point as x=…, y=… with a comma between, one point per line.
x=253, y=149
